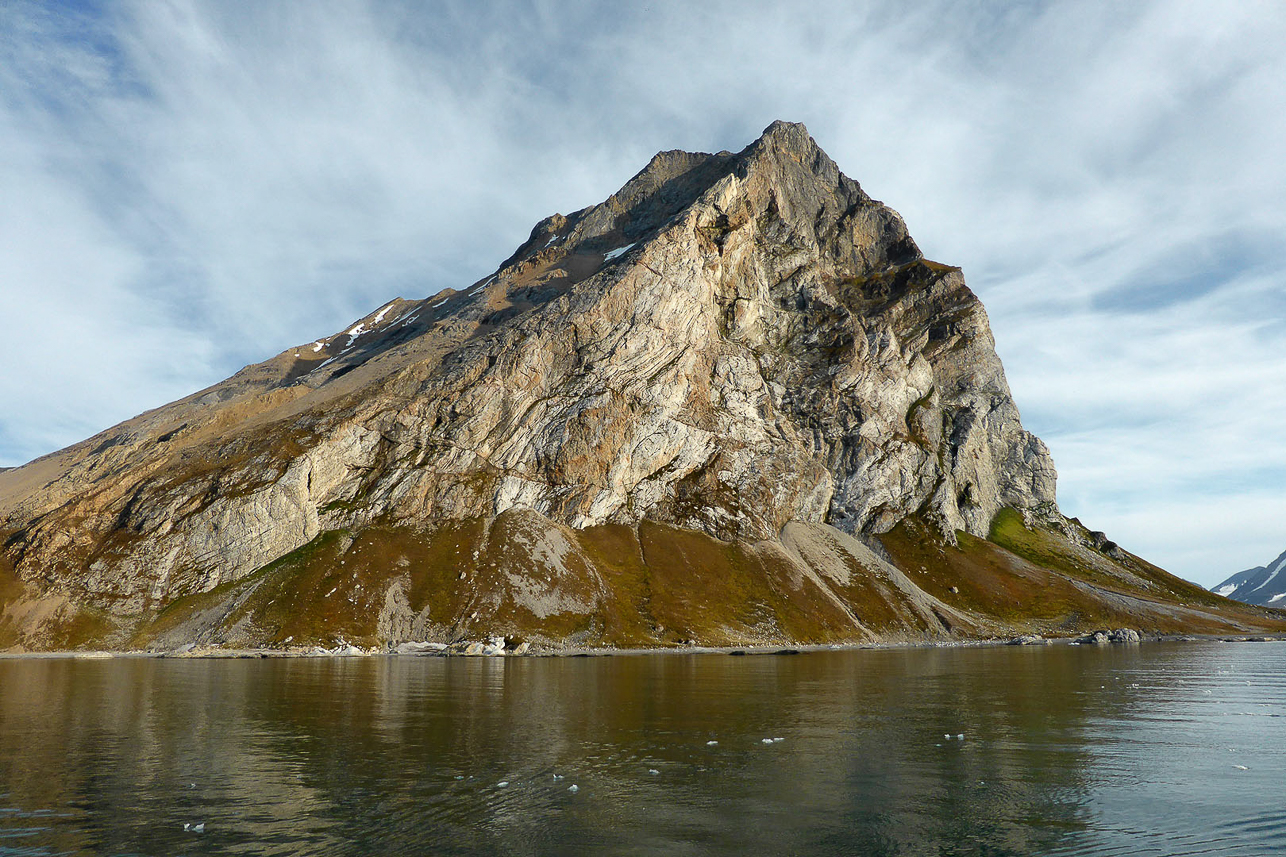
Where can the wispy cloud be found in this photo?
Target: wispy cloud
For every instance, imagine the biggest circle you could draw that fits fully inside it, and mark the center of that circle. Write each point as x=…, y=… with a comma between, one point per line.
x=192, y=186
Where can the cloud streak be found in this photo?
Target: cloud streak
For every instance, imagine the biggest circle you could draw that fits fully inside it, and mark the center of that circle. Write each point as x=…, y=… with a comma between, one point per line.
x=194, y=186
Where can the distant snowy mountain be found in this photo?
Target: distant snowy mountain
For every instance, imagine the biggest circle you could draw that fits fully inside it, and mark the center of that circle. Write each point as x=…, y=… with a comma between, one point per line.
x=1263, y=585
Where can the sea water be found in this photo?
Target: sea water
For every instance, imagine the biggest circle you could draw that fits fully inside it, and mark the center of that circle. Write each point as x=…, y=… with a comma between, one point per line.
x=1154, y=749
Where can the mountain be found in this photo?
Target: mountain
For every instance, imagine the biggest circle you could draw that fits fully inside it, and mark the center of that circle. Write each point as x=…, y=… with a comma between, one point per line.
x=1262, y=585
x=731, y=404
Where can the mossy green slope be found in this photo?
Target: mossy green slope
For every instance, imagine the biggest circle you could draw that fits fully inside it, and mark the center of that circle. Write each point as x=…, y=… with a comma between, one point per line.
x=523, y=576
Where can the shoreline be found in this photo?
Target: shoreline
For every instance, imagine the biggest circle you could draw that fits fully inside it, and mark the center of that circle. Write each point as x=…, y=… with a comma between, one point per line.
x=782, y=649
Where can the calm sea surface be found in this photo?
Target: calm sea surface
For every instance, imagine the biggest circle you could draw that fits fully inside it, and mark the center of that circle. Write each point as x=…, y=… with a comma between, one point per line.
x=1161, y=749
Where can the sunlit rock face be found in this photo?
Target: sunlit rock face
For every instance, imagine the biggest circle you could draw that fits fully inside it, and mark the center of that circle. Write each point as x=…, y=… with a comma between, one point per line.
x=730, y=343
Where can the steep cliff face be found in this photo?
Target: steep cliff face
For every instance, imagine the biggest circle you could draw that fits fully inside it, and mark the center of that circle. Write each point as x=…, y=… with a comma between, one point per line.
x=731, y=345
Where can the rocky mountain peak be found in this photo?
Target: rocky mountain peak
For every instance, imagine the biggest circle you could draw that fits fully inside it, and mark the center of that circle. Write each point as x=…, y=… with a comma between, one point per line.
x=785, y=148
x=728, y=343
x=731, y=344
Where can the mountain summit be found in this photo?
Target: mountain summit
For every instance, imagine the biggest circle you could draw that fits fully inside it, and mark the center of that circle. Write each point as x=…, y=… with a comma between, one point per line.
x=733, y=402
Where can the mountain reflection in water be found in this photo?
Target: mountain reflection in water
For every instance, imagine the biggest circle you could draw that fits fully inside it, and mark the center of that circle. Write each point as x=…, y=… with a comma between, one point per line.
x=1142, y=750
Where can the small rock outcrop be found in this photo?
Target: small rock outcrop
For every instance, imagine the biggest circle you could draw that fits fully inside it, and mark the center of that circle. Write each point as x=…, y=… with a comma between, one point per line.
x=1102, y=638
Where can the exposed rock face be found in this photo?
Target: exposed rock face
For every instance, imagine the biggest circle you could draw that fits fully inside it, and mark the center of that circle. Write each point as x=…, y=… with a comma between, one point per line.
x=1265, y=584
x=729, y=344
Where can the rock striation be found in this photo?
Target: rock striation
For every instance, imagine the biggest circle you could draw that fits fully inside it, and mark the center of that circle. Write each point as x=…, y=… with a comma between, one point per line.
x=737, y=365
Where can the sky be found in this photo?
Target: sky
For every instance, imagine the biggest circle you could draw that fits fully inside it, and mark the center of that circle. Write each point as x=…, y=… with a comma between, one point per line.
x=188, y=187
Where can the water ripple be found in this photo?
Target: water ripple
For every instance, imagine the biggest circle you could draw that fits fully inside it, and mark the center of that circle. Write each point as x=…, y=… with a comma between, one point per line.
x=1151, y=750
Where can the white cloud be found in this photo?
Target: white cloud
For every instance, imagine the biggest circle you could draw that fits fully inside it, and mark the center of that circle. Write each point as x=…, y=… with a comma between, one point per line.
x=198, y=185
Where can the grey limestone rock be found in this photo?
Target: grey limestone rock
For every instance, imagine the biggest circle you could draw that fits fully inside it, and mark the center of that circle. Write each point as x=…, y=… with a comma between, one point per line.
x=731, y=343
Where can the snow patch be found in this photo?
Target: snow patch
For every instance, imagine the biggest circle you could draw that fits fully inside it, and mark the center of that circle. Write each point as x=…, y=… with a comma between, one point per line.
x=618, y=252
x=1224, y=590
x=403, y=317
x=1278, y=597
x=1276, y=569
x=318, y=346
x=383, y=313
x=359, y=329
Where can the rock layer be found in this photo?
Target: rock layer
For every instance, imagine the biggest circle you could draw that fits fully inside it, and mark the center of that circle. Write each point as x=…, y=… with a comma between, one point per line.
x=732, y=345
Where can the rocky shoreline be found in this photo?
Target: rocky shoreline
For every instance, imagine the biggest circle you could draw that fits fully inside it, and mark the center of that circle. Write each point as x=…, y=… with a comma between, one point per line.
x=495, y=648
